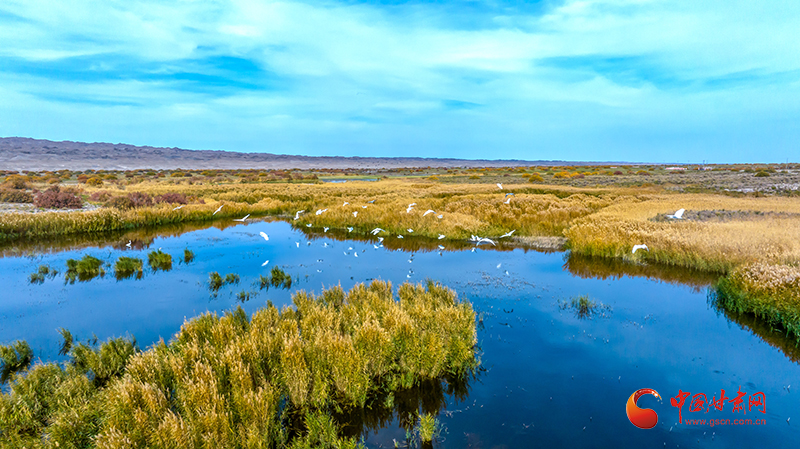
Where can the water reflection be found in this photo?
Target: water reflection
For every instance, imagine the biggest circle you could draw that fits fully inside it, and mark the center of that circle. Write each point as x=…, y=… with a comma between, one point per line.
x=604, y=268
x=758, y=327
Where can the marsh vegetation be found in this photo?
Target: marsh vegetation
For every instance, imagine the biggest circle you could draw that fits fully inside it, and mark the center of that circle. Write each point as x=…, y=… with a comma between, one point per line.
x=276, y=378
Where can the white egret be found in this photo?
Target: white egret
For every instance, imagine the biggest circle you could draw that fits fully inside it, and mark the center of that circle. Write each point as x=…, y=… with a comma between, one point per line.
x=635, y=247
x=308, y=225
x=500, y=185
x=242, y=219
x=375, y=246
x=409, y=209
x=345, y=204
x=349, y=229
x=355, y=214
x=441, y=236
x=480, y=240
x=399, y=236
x=363, y=207
x=325, y=244
x=429, y=211
x=349, y=248
x=297, y=214
x=508, y=201
x=265, y=263
x=179, y=207
x=297, y=243
x=355, y=254
x=129, y=243
x=473, y=250
x=376, y=231
x=508, y=234
x=380, y=239
x=499, y=265
x=320, y=211
x=678, y=215
x=412, y=204
x=439, y=216
x=441, y=247
x=264, y=234
x=218, y=209
x=371, y=201
x=345, y=253
x=410, y=230
x=325, y=229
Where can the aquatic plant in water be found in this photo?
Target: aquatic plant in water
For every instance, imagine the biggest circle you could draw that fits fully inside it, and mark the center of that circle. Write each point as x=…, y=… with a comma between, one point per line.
x=14, y=357
x=43, y=272
x=159, y=260
x=585, y=307
x=215, y=281
x=86, y=269
x=126, y=267
x=275, y=379
x=188, y=256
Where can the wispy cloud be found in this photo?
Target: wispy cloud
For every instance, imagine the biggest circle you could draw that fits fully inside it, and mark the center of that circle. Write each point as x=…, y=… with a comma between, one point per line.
x=614, y=79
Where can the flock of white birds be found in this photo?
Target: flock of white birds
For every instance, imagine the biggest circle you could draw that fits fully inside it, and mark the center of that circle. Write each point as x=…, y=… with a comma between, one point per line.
x=678, y=215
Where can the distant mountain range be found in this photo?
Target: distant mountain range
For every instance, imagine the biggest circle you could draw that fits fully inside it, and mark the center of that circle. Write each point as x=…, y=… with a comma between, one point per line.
x=21, y=153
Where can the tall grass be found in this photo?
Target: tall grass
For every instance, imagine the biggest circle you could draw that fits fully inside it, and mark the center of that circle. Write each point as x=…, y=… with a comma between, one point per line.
x=126, y=267
x=85, y=269
x=43, y=272
x=275, y=379
x=159, y=260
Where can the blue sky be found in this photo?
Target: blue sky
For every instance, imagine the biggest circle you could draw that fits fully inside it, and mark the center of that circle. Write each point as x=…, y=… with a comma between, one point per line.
x=636, y=80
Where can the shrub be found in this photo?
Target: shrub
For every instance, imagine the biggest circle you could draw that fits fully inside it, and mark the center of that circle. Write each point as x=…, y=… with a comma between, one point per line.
x=140, y=199
x=127, y=267
x=535, y=177
x=94, y=181
x=762, y=174
x=120, y=202
x=15, y=196
x=171, y=198
x=561, y=175
x=617, y=173
x=83, y=270
x=16, y=182
x=100, y=197
x=57, y=198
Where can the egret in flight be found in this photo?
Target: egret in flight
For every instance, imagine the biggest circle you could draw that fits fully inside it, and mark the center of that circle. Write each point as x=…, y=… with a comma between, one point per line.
x=264, y=234
x=325, y=229
x=376, y=231
x=355, y=213
x=297, y=243
x=410, y=230
x=320, y=211
x=349, y=229
x=218, y=209
x=129, y=243
x=678, y=215
x=178, y=207
x=441, y=236
x=635, y=247
x=308, y=225
x=297, y=214
x=508, y=234
x=429, y=211
x=242, y=219
x=265, y=263
x=399, y=236
x=439, y=216
x=507, y=201
x=345, y=204
x=500, y=185
x=363, y=207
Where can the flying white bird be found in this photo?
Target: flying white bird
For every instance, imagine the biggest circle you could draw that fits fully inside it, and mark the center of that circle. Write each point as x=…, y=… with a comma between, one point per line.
x=320, y=211
x=412, y=204
x=375, y=246
x=441, y=247
x=500, y=185
x=265, y=263
x=399, y=236
x=242, y=219
x=363, y=207
x=508, y=201
x=380, y=239
x=308, y=225
x=297, y=243
x=508, y=234
x=129, y=243
x=349, y=229
x=218, y=209
x=441, y=236
x=678, y=215
x=325, y=229
x=635, y=247
x=473, y=250
x=345, y=204
x=178, y=207
x=499, y=265
x=480, y=240
x=325, y=245
x=439, y=216
x=410, y=230
x=355, y=254
x=264, y=234
x=409, y=209
x=376, y=231
x=355, y=214
x=297, y=214
x=349, y=248
x=371, y=201
x=429, y=211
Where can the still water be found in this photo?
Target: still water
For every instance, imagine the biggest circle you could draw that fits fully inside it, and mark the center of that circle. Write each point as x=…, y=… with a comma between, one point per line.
x=549, y=377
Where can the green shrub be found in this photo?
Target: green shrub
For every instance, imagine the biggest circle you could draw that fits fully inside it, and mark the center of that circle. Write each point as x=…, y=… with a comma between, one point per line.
x=15, y=357
x=127, y=267
x=83, y=270
x=159, y=260
x=188, y=256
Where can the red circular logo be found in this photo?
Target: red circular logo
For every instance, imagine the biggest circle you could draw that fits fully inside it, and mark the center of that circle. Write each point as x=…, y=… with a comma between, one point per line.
x=643, y=418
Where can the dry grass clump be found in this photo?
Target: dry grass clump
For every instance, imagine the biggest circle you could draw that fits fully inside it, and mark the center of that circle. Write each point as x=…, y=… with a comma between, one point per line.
x=272, y=380
x=770, y=292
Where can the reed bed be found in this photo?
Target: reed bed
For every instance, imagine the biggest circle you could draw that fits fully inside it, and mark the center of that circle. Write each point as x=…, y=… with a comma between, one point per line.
x=159, y=260
x=275, y=379
x=770, y=292
x=126, y=267
x=85, y=269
